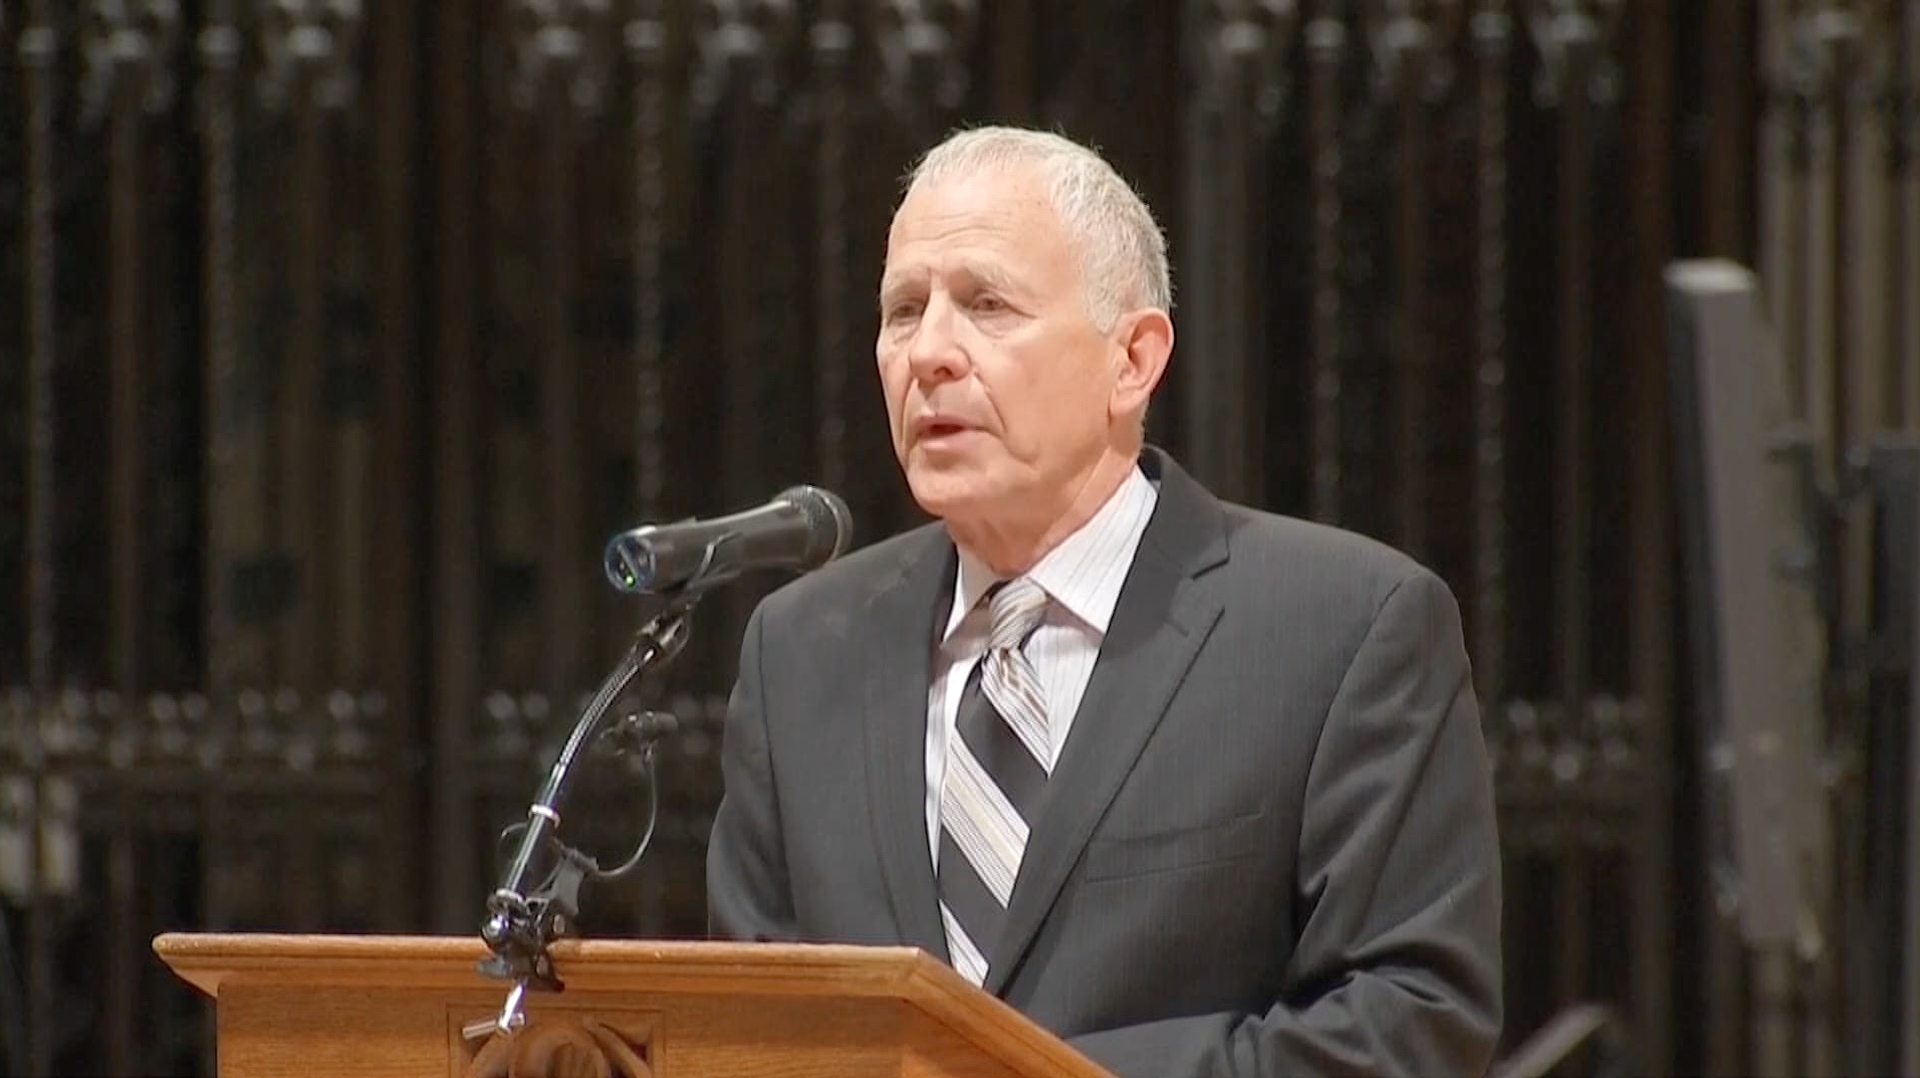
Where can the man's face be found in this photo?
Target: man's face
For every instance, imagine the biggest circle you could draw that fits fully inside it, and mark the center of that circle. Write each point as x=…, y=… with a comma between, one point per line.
x=999, y=387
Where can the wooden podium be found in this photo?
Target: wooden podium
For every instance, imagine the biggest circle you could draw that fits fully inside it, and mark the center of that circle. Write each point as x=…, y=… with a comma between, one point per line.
x=405, y=1006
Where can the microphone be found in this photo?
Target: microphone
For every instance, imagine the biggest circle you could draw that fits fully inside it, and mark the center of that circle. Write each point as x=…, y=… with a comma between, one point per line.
x=802, y=528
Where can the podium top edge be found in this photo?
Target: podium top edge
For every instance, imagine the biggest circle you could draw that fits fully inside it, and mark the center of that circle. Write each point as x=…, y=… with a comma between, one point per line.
x=210, y=959
x=471, y=947
x=213, y=961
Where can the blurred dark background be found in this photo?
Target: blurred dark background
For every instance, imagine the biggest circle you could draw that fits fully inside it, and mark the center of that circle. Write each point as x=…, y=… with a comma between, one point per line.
x=337, y=335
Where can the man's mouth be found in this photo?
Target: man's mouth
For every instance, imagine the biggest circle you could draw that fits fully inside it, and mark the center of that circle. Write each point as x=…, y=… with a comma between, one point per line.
x=939, y=427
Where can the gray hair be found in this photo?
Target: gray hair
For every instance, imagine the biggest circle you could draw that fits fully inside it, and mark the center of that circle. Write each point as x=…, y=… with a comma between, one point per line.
x=1123, y=253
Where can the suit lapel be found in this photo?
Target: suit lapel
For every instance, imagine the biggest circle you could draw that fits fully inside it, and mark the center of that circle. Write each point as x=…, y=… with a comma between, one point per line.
x=1160, y=622
x=902, y=614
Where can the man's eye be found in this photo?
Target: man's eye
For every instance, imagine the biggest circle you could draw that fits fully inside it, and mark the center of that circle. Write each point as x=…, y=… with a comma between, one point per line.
x=901, y=312
x=986, y=302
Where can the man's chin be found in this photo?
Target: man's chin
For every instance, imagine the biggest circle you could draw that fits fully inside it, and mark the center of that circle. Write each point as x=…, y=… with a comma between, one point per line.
x=945, y=493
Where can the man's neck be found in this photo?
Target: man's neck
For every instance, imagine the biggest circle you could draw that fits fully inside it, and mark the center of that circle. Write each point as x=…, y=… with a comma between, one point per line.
x=1014, y=546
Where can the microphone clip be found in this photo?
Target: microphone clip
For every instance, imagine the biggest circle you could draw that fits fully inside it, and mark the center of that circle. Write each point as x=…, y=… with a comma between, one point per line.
x=531, y=909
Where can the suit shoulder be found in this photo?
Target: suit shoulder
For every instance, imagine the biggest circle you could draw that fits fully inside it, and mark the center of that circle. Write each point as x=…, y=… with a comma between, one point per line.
x=851, y=576
x=1334, y=557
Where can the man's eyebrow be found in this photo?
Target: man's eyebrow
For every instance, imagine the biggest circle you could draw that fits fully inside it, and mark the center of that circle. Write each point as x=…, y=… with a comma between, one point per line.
x=983, y=273
x=894, y=283
x=994, y=277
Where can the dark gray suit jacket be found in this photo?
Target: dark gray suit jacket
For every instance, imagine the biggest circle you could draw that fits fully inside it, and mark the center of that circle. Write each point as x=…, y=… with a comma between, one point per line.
x=1269, y=844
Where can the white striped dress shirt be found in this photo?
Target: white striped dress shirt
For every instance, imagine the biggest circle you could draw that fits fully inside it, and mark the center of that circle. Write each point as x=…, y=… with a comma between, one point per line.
x=1082, y=576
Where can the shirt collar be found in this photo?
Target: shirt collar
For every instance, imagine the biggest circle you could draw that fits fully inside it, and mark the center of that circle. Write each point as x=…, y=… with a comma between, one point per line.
x=1084, y=573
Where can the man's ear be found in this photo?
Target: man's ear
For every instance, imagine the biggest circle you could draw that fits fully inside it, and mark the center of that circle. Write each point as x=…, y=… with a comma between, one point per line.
x=1143, y=342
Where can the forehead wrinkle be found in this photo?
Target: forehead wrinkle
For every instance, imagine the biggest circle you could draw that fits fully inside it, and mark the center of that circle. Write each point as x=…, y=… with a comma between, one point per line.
x=1003, y=235
x=988, y=271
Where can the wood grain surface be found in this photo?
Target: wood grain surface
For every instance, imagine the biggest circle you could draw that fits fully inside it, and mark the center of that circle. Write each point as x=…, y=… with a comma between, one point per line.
x=391, y=1006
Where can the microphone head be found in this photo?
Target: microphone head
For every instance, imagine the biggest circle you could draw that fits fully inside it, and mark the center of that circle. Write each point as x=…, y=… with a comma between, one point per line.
x=829, y=523
x=803, y=528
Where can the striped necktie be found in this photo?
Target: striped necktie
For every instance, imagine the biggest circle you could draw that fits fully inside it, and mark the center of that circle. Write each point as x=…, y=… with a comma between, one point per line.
x=997, y=767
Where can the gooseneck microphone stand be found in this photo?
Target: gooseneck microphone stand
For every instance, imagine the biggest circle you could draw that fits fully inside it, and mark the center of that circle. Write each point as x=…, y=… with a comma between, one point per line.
x=525, y=915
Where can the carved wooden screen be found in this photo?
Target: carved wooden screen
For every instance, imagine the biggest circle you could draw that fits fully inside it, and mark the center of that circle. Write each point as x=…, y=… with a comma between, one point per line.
x=207, y=339
x=335, y=337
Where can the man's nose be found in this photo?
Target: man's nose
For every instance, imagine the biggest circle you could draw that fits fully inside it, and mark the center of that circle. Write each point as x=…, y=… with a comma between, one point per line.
x=935, y=353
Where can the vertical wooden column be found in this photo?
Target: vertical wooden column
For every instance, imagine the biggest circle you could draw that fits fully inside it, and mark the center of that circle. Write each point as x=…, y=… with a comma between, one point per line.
x=647, y=36
x=831, y=41
x=1234, y=53
x=564, y=554
x=130, y=80
x=457, y=543
x=1650, y=630
x=1492, y=36
x=1410, y=56
x=390, y=565
x=748, y=52
x=1727, y=42
x=1013, y=53
x=647, y=45
x=1573, y=47
x=39, y=49
x=1326, y=46
x=1903, y=312
x=227, y=453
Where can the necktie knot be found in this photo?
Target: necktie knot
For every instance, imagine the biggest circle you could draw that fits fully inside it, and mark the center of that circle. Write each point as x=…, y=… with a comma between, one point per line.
x=1016, y=608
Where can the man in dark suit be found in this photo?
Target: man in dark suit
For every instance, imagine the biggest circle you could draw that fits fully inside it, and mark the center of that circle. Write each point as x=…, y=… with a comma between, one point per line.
x=1199, y=788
